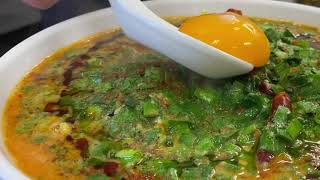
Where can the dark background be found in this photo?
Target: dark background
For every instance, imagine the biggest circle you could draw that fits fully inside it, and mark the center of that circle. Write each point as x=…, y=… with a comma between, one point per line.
x=39, y=19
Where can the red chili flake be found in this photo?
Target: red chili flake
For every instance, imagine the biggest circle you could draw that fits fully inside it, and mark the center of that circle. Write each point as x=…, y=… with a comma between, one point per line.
x=67, y=76
x=84, y=57
x=281, y=99
x=76, y=64
x=55, y=108
x=64, y=93
x=236, y=11
x=71, y=120
x=69, y=138
x=163, y=85
x=82, y=144
x=265, y=88
x=104, y=42
x=110, y=168
x=141, y=71
x=62, y=112
x=51, y=107
x=264, y=156
x=79, y=61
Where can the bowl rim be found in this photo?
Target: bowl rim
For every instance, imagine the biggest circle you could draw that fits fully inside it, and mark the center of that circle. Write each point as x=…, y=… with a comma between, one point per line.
x=7, y=167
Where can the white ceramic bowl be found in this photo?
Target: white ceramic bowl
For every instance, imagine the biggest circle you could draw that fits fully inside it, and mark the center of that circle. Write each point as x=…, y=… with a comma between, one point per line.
x=20, y=59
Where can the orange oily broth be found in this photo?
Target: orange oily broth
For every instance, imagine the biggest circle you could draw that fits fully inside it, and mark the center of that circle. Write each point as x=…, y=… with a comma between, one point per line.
x=37, y=161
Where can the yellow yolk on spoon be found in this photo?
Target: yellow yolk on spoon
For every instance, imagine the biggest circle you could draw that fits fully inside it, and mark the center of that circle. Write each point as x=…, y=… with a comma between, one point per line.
x=232, y=33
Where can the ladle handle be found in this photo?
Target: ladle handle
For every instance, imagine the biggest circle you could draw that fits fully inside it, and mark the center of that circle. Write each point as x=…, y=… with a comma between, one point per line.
x=132, y=15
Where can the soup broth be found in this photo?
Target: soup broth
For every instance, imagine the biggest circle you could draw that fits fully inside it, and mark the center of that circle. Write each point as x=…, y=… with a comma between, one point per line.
x=110, y=108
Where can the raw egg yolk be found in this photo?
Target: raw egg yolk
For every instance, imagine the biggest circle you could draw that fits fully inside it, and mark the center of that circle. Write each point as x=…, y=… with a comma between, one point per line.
x=232, y=33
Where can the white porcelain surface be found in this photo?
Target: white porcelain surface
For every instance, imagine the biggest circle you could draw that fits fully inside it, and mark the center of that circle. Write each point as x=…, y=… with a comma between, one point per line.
x=20, y=59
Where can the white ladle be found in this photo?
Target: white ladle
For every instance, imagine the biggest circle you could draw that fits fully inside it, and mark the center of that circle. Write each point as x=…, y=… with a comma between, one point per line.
x=142, y=25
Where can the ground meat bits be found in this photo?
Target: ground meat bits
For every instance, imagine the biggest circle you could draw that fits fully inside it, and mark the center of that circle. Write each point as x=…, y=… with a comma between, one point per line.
x=264, y=156
x=110, y=168
x=265, y=88
x=82, y=144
